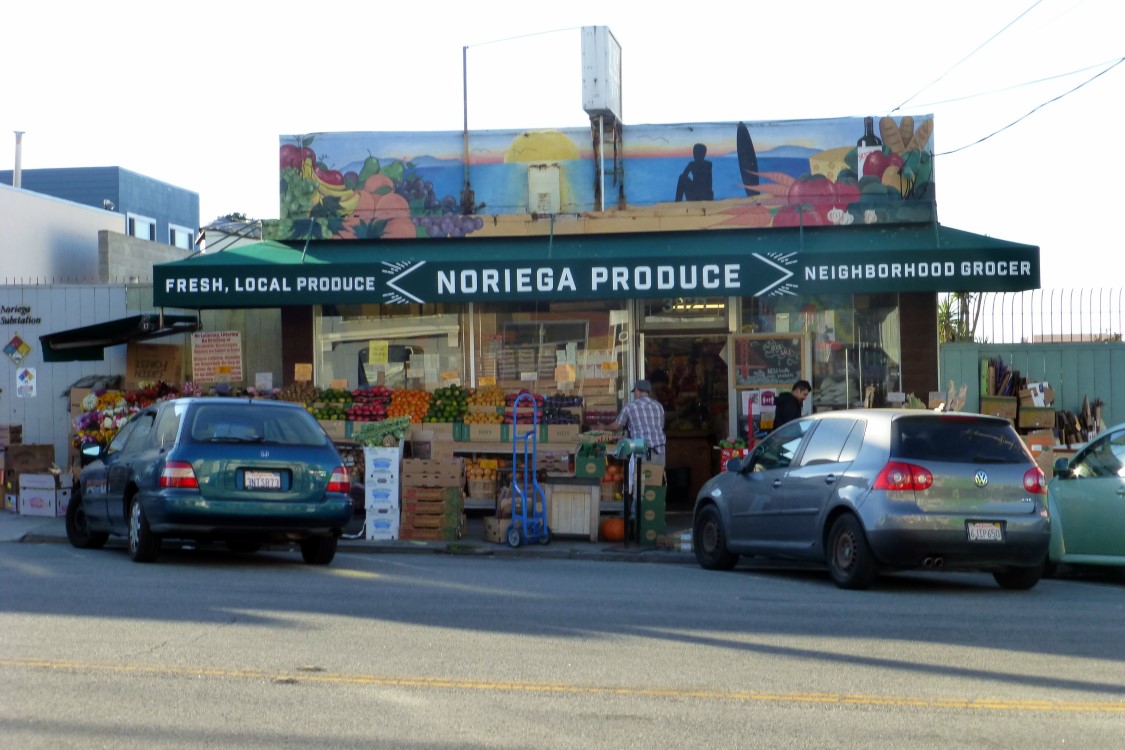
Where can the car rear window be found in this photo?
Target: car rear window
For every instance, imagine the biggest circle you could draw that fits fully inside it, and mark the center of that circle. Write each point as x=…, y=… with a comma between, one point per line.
x=243, y=423
x=956, y=439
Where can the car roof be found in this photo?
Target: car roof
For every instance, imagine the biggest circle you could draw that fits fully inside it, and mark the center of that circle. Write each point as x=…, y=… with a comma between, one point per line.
x=889, y=415
x=234, y=400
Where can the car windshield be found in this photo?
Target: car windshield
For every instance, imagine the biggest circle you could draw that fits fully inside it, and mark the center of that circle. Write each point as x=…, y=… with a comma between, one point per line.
x=956, y=439
x=223, y=423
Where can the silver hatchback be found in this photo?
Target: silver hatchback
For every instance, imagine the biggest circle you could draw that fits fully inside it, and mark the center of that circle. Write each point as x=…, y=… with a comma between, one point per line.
x=871, y=490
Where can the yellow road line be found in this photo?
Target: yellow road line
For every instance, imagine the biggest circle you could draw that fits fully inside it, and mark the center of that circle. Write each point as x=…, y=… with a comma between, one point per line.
x=314, y=676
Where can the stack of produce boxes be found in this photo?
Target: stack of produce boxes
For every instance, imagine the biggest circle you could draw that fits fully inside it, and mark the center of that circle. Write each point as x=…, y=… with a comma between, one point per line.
x=654, y=493
x=433, y=505
x=382, y=479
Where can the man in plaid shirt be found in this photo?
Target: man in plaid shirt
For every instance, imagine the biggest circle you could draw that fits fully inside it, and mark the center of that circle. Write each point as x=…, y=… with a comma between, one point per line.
x=643, y=418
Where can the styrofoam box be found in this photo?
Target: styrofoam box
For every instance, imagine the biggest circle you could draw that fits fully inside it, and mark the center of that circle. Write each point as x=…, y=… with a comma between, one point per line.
x=62, y=501
x=37, y=501
x=38, y=481
x=382, y=523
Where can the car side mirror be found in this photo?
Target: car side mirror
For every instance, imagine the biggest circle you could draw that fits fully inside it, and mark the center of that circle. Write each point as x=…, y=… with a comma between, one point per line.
x=1061, y=468
x=734, y=465
x=89, y=452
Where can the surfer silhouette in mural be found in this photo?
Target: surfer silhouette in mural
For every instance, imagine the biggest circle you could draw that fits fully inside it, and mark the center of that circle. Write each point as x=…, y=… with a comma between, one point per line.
x=695, y=181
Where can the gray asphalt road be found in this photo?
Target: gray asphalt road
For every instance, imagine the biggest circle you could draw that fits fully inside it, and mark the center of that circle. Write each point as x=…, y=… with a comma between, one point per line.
x=211, y=649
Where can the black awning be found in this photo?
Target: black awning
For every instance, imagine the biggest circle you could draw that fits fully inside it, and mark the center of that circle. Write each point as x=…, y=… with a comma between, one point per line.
x=88, y=343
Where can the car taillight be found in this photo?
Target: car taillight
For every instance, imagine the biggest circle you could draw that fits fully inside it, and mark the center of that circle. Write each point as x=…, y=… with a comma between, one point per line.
x=900, y=476
x=1035, y=481
x=339, y=481
x=178, y=474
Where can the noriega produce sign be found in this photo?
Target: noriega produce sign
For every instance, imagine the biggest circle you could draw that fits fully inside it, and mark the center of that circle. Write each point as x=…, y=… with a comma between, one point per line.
x=725, y=269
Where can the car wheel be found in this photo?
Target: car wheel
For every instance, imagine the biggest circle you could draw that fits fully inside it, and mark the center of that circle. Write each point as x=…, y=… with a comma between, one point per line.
x=1050, y=569
x=318, y=550
x=246, y=546
x=850, y=560
x=144, y=546
x=1018, y=579
x=78, y=527
x=710, y=541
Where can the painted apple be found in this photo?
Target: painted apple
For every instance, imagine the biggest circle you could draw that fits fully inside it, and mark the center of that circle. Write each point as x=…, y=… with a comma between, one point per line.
x=290, y=156
x=329, y=176
x=875, y=164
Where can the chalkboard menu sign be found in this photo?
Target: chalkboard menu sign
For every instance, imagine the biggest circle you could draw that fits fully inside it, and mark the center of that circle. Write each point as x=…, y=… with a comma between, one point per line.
x=768, y=359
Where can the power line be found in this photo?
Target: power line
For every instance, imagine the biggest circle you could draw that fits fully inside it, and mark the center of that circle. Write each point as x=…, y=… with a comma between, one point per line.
x=981, y=46
x=1012, y=87
x=1034, y=110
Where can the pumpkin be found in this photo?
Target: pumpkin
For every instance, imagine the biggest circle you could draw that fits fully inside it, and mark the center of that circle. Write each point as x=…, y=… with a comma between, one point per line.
x=613, y=529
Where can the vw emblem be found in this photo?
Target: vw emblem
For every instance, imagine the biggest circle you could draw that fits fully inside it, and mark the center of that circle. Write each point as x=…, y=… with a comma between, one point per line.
x=980, y=479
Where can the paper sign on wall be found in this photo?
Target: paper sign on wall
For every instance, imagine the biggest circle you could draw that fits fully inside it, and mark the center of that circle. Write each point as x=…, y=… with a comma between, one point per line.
x=216, y=356
x=378, y=352
x=302, y=372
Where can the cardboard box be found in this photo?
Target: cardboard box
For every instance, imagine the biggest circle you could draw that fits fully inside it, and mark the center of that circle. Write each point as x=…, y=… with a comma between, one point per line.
x=999, y=406
x=562, y=433
x=336, y=429
x=589, y=460
x=418, y=472
x=437, y=430
x=482, y=488
x=1040, y=440
x=485, y=433
x=431, y=499
x=29, y=459
x=651, y=523
x=446, y=522
x=652, y=474
x=1034, y=417
x=496, y=529
x=146, y=362
x=11, y=434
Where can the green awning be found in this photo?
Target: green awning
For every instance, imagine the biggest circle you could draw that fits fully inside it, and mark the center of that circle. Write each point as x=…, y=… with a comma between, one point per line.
x=762, y=262
x=88, y=343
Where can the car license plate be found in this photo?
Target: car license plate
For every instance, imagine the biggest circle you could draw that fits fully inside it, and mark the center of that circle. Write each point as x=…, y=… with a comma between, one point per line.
x=985, y=531
x=262, y=480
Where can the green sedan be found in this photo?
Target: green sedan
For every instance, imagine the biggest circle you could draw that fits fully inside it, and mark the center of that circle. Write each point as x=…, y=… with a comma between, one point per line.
x=1086, y=498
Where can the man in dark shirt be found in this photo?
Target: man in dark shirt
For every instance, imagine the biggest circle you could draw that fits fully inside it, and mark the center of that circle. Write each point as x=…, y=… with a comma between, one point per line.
x=788, y=406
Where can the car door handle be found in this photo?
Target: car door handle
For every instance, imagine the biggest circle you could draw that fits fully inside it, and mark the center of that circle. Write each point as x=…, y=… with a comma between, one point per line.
x=776, y=483
x=830, y=479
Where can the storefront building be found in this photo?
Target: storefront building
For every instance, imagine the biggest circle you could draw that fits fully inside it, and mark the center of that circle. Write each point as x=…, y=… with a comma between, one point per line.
x=779, y=252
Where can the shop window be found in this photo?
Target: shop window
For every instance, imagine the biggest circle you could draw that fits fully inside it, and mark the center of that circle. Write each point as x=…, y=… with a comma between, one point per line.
x=549, y=347
x=855, y=339
x=399, y=346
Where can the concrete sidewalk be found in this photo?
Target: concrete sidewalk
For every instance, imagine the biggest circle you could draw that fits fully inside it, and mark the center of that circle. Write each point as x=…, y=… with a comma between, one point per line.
x=46, y=530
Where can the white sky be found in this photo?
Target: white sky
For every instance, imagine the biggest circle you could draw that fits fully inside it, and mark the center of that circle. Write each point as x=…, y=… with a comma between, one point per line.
x=197, y=94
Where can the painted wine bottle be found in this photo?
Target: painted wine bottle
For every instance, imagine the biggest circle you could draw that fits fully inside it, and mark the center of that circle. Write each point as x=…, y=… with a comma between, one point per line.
x=867, y=145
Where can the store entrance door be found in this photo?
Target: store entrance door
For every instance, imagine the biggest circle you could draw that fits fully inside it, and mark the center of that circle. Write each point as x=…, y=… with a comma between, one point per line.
x=689, y=377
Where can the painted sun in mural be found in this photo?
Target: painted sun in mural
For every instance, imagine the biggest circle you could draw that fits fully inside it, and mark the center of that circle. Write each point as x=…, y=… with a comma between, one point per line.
x=538, y=146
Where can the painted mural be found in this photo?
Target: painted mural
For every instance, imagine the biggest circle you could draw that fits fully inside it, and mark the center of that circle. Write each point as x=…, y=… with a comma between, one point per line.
x=393, y=185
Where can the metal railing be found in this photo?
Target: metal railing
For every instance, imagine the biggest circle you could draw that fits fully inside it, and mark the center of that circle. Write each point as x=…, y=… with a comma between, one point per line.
x=1046, y=315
